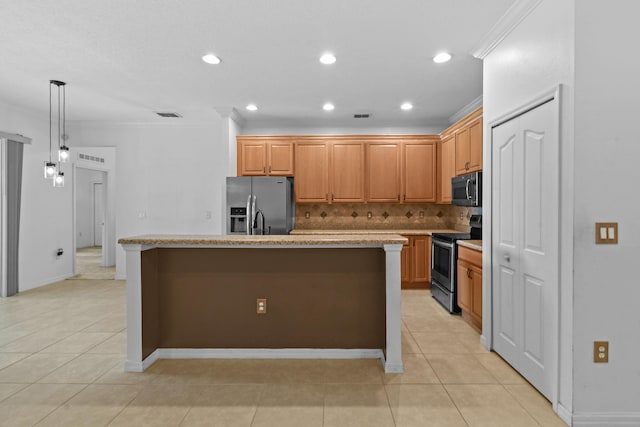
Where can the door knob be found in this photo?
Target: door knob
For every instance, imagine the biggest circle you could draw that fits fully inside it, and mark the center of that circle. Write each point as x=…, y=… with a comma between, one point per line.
x=507, y=258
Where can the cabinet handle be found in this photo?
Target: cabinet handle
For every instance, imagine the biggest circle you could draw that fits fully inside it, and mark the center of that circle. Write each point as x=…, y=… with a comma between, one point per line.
x=469, y=272
x=405, y=197
x=326, y=197
x=332, y=197
x=269, y=169
x=398, y=197
x=264, y=169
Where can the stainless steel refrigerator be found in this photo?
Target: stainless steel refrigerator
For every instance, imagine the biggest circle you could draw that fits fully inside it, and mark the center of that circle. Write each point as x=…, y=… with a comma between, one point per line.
x=260, y=205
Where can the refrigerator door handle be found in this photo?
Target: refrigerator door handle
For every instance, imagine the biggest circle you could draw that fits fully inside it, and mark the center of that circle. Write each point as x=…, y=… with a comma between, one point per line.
x=253, y=211
x=248, y=220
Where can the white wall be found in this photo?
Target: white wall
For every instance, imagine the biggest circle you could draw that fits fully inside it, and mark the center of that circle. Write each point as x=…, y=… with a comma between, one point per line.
x=607, y=149
x=85, y=180
x=532, y=59
x=46, y=214
x=168, y=177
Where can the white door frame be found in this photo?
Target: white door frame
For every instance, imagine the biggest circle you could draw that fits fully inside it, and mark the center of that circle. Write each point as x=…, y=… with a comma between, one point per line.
x=93, y=209
x=107, y=220
x=487, y=266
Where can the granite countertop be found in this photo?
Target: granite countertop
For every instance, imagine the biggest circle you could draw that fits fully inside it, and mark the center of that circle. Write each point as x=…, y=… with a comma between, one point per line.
x=405, y=232
x=471, y=244
x=272, y=240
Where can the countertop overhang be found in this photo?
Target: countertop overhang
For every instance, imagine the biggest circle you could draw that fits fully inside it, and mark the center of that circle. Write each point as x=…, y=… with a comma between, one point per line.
x=270, y=241
x=374, y=231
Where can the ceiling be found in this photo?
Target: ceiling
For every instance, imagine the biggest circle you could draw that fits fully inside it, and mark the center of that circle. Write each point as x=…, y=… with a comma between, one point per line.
x=123, y=60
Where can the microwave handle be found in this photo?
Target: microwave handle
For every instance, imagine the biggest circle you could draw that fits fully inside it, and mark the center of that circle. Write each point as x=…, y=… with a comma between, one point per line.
x=466, y=189
x=477, y=198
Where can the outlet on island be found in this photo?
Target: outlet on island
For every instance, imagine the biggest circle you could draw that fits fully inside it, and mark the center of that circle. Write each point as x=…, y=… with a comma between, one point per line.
x=261, y=306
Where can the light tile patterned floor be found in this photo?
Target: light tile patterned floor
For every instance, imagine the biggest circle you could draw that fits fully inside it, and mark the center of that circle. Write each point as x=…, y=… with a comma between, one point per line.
x=61, y=364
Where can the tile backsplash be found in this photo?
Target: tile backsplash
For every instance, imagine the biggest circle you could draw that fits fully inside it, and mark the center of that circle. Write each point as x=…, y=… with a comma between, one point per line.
x=359, y=216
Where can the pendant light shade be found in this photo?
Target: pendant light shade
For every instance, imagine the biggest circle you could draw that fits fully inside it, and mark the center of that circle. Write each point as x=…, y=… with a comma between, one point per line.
x=63, y=154
x=58, y=181
x=51, y=169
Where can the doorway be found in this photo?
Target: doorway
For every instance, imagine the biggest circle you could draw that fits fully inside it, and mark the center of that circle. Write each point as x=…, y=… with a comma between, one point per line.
x=90, y=212
x=525, y=188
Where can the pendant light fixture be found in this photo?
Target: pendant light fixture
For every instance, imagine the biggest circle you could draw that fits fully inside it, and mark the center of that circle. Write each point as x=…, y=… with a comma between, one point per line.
x=51, y=170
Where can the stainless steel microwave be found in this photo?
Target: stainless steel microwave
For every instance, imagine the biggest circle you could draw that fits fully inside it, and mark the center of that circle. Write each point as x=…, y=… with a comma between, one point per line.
x=466, y=190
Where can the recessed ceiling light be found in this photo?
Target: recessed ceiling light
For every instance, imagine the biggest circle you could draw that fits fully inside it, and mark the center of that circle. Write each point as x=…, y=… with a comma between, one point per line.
x=407, y=106
x=328, y=59
x=441, y=57
x=211, y=59
x=328, y=106
x=252, y=107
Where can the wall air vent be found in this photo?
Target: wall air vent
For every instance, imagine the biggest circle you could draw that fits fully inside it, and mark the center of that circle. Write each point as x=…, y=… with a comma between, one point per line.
x=174, y=115
x=90, y=158
x=362, y=116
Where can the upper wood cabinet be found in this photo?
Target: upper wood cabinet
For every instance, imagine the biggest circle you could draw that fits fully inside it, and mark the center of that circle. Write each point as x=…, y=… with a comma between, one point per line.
x=419, y=172
x=346, y=175
x=383, y=176
x=447, y=168
x=467, y=137
x=264, y=156
x=311, y=182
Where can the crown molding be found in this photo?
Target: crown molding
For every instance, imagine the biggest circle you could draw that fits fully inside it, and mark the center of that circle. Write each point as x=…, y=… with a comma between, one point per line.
x=231, y=113
x=466, y=110
x=519, y=10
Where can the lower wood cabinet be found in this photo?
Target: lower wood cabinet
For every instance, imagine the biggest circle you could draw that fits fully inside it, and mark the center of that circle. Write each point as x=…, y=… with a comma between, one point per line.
x=415, y=263
x=470, y=285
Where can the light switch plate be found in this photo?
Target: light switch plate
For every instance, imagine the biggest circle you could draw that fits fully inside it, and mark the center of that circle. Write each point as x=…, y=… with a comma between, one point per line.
x=606, y=233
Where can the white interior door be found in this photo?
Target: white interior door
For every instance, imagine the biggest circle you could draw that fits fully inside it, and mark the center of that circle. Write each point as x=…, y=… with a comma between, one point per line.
x=98, y=213
x=525, y=244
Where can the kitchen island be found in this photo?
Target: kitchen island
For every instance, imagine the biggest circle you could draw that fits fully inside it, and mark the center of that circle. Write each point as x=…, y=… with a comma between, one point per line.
x=328, y=296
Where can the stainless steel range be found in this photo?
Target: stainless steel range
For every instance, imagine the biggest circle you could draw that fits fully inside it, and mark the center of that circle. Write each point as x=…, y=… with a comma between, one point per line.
x=444, y=259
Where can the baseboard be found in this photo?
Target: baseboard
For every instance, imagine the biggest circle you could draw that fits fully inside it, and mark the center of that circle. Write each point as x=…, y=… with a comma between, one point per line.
x=606, y=419
x=267, y=353
x=27, y=287
x=564, y=414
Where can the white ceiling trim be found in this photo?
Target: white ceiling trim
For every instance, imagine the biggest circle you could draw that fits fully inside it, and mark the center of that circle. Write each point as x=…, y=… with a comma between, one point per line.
x=15, y=137
x=231, y=113
x=505, y=25
x=467, y=109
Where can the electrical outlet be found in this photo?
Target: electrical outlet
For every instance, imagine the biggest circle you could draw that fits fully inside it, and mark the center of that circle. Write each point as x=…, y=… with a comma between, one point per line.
x=369, y=215
x=421, y=214
x=307, y=215
x=261, y=306
x=601, y=351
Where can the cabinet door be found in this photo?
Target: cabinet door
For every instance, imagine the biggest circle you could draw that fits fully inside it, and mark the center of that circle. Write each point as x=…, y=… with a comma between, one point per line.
x=280, y=159
x=405, y=262
x=462, y=151
x=419, y=172
x=253, y=158
x=465, y=286
x=475, y=146
x=421, y=260
x=311, y=182
x=383, y=172
x=447, y=168
x=476, y=278
x=347, y=172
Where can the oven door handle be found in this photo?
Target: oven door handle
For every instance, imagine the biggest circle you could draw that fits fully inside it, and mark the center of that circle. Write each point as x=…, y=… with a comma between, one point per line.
x=466, y=189
x=439, y=243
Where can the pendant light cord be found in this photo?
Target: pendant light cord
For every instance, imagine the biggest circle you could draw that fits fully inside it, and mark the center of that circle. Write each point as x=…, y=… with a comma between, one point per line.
x=50, y=125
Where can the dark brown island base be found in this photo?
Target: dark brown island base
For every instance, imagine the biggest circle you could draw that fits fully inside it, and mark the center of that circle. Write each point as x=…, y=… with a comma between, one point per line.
x=330, y=296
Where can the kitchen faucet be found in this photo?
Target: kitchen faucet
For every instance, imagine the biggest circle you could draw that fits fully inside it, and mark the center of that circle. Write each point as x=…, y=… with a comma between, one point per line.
x=255, y=221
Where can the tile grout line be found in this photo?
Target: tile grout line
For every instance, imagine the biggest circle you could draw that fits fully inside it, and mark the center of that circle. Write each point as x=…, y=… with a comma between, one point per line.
x=61, y=404
x=444, y=386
